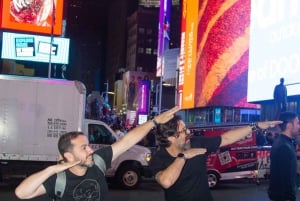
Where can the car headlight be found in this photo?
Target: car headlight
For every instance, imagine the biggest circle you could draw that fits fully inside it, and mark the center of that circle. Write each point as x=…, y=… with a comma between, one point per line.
x=148, y=157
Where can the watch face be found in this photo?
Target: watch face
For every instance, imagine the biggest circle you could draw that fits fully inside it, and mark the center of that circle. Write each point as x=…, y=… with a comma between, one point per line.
x=180, y=155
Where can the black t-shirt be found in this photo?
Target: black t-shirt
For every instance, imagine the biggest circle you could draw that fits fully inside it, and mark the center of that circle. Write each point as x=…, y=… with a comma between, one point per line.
x=90, y=187
x=282, y=185
x=192, y=184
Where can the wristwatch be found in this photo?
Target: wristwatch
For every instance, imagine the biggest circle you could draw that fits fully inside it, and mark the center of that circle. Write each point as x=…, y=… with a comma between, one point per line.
x=181, y=155
x=254, y=126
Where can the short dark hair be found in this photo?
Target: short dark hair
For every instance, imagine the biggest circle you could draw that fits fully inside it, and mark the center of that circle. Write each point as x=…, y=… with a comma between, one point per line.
x=286, y=117
x=166, y=130
x=64, y=142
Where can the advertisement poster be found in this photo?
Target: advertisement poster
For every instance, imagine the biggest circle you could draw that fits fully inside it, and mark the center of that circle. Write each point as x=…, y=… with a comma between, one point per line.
x=38, y=16
x=274, y=50
x=28, y=47
x=136, y=91
x=214, y=63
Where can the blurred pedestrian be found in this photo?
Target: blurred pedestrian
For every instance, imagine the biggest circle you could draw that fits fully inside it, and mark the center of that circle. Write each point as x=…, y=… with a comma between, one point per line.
x=283, y=168
x=269, y=138
x=297, y=144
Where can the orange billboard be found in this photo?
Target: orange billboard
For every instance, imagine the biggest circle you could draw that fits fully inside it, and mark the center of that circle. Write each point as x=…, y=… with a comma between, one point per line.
x=187, y=66
x=37, y=16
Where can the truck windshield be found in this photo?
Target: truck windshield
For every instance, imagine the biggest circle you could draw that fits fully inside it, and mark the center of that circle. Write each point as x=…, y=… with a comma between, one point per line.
x=98, y=134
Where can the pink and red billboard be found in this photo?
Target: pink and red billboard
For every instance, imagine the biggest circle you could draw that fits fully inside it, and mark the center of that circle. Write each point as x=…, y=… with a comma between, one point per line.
x=38, y=16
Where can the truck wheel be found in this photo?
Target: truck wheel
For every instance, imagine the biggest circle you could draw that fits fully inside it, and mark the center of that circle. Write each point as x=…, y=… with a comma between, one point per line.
x=213, y=179
x=129, y=177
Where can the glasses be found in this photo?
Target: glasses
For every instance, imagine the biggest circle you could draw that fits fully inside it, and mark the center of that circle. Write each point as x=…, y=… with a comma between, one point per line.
x=186, y=131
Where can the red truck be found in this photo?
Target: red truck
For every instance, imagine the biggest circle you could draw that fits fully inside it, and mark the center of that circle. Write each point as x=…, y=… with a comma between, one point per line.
x=243, y=159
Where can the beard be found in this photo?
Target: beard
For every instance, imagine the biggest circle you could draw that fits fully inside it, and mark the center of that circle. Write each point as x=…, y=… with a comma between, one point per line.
x=184, y=146
x=88, y=162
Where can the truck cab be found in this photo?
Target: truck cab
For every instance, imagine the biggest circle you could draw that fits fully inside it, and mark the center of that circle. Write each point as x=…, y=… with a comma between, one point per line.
x=130, y=167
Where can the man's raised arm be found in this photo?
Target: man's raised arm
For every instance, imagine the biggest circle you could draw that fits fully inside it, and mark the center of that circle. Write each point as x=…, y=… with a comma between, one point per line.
x=139, y=132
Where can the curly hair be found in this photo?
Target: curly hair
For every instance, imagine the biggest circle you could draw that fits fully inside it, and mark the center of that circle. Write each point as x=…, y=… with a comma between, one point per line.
x=166, y=130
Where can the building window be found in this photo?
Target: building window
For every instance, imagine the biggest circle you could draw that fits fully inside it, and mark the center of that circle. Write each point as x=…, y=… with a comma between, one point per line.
x=141, y=30
x=155, y=51
x=140, y=50
x=149, y=31
x=140, y=42
x=148, y=50
x=149, y=40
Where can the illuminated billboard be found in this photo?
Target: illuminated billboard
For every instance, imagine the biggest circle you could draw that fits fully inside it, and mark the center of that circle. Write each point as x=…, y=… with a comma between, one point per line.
x=187, y=55
x=143, y=97
x=214, y=53
x=136, y=95
x=163, y=34
x=131, y=80
x=32, y=16
x=274, y=48
x=143, y=101
x=27, y=47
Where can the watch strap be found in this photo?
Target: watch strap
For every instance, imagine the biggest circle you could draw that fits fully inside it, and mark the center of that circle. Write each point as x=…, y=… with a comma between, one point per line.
x=181, y=155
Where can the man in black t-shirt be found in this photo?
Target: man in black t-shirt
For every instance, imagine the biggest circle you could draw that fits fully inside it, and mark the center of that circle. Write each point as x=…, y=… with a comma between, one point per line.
x=179, y=165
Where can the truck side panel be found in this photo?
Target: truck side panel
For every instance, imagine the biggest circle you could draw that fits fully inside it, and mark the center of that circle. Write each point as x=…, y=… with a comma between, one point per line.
x=34, y=112
x=239, y=156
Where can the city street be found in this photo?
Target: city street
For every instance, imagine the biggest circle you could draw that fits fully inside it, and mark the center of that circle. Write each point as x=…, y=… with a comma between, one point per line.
x=149, y=191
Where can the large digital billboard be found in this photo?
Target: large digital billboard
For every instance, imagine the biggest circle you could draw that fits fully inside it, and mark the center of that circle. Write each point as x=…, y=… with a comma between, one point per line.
x=274, y=48
x=27, y=47
x=38, y=16
x=214, y=53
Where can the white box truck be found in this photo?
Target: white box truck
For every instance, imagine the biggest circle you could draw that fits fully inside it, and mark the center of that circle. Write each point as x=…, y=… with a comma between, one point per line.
x=34, y=112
